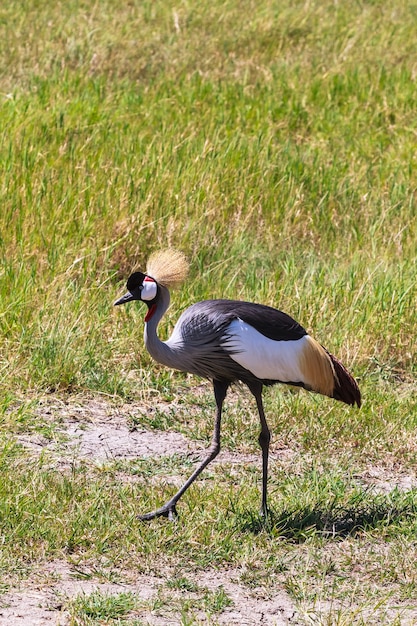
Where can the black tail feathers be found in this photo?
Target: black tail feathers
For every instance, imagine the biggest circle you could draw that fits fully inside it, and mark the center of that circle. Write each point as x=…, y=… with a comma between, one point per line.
x=346, y=388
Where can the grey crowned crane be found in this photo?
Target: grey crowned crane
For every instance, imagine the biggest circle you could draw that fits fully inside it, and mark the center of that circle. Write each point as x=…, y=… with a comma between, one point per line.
x=227, y=341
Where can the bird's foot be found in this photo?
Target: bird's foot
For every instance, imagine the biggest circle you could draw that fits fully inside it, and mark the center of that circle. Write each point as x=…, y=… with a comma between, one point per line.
x=168, y=510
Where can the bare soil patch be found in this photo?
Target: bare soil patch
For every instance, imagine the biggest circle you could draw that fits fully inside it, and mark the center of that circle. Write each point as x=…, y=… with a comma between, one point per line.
x=98, y=430
x=41, y=603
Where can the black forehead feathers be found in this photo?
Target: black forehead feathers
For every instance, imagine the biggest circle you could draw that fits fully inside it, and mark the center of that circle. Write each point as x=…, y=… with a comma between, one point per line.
x=135, y=280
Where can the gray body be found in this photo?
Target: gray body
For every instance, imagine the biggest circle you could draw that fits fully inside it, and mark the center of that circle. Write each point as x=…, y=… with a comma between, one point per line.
x=200, y=343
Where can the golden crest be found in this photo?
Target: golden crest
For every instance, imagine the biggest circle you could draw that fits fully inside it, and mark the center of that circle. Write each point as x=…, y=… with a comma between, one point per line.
x=168, y=267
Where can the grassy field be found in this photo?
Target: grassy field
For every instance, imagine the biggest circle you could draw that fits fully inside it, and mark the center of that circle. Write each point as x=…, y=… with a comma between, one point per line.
x=275, y=144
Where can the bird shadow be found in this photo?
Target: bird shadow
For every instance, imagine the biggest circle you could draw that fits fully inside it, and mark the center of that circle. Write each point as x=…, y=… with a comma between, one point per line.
x=335, y=521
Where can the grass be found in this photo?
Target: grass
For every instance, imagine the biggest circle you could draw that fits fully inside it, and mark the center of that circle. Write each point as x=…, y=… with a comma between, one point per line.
x=274, y=145
x=98, y=606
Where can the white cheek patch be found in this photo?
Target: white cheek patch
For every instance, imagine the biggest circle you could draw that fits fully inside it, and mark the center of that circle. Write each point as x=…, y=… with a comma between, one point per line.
x=149, y=289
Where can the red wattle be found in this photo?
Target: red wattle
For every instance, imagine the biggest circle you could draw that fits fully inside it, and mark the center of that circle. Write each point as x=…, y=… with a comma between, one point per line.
x=150, y=312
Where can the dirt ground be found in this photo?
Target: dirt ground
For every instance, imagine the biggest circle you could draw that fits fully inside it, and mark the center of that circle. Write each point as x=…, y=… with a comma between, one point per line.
x=39, y=604
x=97, y=430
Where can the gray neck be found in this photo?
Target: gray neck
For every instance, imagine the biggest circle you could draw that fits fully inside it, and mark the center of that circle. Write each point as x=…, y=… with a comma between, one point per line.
x=159, y=350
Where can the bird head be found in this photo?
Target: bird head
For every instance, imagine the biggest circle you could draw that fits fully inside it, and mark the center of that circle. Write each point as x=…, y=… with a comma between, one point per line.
x=139, y=287
x=167, y=268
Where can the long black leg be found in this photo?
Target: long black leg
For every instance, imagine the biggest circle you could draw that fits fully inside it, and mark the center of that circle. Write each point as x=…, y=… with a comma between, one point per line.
x=264, y=440
x=169, y=508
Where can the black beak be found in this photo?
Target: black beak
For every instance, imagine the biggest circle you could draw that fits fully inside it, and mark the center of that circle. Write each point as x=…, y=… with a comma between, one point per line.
x=128, y=297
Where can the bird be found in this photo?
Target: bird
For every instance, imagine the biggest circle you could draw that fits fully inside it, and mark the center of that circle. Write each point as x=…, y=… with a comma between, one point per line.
x=232, y=341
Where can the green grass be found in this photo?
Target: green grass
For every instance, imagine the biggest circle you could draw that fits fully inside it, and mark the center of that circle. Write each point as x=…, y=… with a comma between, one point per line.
x=98, y=606
x=275, y=145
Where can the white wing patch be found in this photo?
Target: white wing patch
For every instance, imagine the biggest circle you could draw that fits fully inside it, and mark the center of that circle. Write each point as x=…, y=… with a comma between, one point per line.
x=265, y=358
